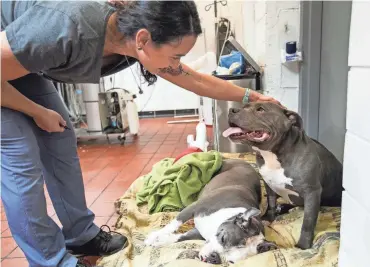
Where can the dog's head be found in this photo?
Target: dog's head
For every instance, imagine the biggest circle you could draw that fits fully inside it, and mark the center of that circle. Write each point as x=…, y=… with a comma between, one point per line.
x=240, y=235
x=262, y=125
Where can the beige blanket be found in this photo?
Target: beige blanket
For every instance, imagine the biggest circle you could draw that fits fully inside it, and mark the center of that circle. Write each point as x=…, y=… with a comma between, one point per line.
x=135, y=223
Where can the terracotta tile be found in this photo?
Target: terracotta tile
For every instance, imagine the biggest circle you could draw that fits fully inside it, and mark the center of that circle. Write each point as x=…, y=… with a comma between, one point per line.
x=50, y=210
x=17, y=253
x=92, y=260
x=112, y=195
x=177, y=131
x=3, y=216
x=147, y=169
x=90, y=154
x=151, y=131
x=4, y=226
x=129, y=175
x=85, y=163
x=91, y=196
x=6, y=233
x=103, y=209
x=150, y=148
x=165, y=131
x=159, y=137
x=109, y=172
x=138, y=163
x=145, y=172
x=99, y=221
x=166, y=148
x=48, y=200
x=19, y=262
x=155, y=142
x=7, y=246
x=99, y=164
x=114, y=152
x=112, y=221
x=119, y=186
x=127, y=156
x=99, y=183
x=94, y=169
x=56, y=220
x=174, y=137
x=160, y=156
x=170, y=142
x=143, y=156
x=132, y=149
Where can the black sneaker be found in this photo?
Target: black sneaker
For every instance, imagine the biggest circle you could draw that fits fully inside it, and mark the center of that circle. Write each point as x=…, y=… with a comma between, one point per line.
x=104, y=244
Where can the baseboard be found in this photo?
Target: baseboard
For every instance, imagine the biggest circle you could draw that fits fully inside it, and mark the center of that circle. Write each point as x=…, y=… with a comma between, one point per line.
x=167, y=113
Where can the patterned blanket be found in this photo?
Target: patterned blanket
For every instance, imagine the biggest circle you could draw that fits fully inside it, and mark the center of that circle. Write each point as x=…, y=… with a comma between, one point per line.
x=136, y=224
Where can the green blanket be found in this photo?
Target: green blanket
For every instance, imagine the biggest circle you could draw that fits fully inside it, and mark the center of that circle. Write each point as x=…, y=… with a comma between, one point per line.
x=173, y=186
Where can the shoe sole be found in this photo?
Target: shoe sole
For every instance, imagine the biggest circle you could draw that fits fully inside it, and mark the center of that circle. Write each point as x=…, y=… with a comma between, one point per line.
x=79, y=255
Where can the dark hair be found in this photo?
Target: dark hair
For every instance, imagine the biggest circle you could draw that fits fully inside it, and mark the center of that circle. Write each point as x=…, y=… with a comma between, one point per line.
x=166, y=21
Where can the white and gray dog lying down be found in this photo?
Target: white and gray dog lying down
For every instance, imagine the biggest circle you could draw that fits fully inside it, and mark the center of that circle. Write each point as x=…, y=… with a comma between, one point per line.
x=226, y=215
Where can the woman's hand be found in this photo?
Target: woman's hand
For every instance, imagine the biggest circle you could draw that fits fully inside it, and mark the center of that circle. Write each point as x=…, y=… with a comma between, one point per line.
x=257, y=97
x=49, y=120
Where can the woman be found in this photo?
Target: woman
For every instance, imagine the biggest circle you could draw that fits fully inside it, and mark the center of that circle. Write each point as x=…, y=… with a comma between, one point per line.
x=78, y=42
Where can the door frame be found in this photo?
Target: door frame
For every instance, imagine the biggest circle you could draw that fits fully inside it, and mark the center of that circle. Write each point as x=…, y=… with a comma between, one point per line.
x=309, y=79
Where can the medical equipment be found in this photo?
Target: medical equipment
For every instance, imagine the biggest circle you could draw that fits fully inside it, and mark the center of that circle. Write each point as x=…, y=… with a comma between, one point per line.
x=118, y=113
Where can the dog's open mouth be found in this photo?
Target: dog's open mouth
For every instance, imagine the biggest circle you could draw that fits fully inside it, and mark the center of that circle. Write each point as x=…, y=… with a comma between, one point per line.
x=236, y=133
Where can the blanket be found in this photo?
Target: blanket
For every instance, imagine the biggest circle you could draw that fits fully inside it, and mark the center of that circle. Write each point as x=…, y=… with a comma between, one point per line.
x=173, y=186
x=136, y=224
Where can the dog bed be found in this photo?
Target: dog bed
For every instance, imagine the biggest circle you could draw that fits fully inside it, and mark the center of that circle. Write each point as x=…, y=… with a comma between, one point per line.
x=136, y=224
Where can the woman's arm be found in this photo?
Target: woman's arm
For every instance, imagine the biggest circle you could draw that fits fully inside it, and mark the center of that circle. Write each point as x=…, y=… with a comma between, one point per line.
x=209, y=86
x=12, y=69
x=11, y=98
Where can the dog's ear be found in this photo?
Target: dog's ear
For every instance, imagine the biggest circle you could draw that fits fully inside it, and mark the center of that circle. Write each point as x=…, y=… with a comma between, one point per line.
x=294, y=118
x=245, y=218
x=251, y=212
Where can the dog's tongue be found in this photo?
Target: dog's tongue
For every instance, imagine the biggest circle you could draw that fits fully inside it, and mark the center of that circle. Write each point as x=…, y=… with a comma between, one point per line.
x=232, y=130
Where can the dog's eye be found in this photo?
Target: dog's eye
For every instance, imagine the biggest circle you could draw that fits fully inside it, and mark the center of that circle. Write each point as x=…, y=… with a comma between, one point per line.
x=260, y=109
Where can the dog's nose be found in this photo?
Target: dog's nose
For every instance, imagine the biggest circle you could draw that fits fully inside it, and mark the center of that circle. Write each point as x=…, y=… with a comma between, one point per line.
x=214, y=258
x=234, y=110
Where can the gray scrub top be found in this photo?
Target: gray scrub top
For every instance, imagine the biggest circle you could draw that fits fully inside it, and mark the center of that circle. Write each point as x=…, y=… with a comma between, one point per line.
x=61, y=40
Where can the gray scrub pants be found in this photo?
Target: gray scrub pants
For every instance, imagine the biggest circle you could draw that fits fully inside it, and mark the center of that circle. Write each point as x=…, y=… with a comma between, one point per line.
x=30, y=157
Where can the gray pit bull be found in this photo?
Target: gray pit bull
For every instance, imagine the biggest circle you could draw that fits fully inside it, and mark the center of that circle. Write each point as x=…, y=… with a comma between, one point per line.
x=293, y=165
x=226, y=215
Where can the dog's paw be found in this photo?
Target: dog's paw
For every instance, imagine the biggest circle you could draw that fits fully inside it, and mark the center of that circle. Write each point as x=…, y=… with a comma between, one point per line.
x=266, y=246
x=304, y=242
x=158, y=239
x=153, y=238
x=269, y=216
x=303, y=245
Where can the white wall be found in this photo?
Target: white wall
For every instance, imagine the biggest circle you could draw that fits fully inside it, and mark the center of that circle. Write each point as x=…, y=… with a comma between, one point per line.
x=355, y=231
x=263, y=28
x=277, y=22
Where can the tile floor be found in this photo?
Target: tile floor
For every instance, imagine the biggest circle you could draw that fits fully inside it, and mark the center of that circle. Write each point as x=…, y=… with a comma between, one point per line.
x=108, y=170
